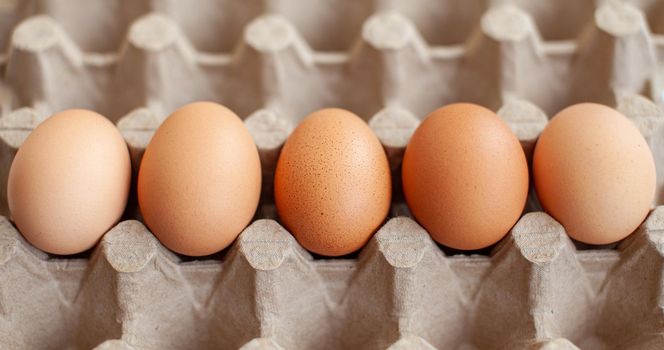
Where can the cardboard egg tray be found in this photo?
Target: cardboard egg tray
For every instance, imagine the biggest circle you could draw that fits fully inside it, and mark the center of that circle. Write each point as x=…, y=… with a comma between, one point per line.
x=389, y=61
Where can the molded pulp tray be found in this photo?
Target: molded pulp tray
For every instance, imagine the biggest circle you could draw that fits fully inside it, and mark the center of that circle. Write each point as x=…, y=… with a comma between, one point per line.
x=389, y=61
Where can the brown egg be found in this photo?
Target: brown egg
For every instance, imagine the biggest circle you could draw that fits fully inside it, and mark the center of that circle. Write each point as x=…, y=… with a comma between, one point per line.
x=200, y=179
x=332, y=184
x=69, y=182
x=465, y=176
x=594, y=173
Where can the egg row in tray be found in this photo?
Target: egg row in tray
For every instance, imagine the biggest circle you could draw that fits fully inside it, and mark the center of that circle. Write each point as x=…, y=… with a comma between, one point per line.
x=465, y=178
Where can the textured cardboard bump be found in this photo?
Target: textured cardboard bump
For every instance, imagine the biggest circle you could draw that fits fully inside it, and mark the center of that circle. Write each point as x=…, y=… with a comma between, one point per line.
x=526, y=121
x=411, y=342
x=41, y=61
x=649, y=119
x=607, y=55
x=269, y=132
x=556, y=344
x=539, y=237
x=394, y=126
x=127, y=251
x=114, y=344
x=261, y=344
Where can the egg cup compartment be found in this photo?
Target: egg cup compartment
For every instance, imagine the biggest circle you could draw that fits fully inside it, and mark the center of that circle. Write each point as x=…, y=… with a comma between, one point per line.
x=535, y=291
x=158, y=62
x=275, y=61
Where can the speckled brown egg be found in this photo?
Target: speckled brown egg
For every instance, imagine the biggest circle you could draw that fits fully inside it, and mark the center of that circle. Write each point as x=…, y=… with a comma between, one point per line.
x=465, y=176
x=200, y=179
x=594, y=173
x=332, y=184
x=69, y=182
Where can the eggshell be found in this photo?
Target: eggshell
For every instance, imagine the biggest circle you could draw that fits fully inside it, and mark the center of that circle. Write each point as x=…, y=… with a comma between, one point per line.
x=594, y=173
x=200, y=179
x=69, y=182
x=332, y=183
x=465, y=176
